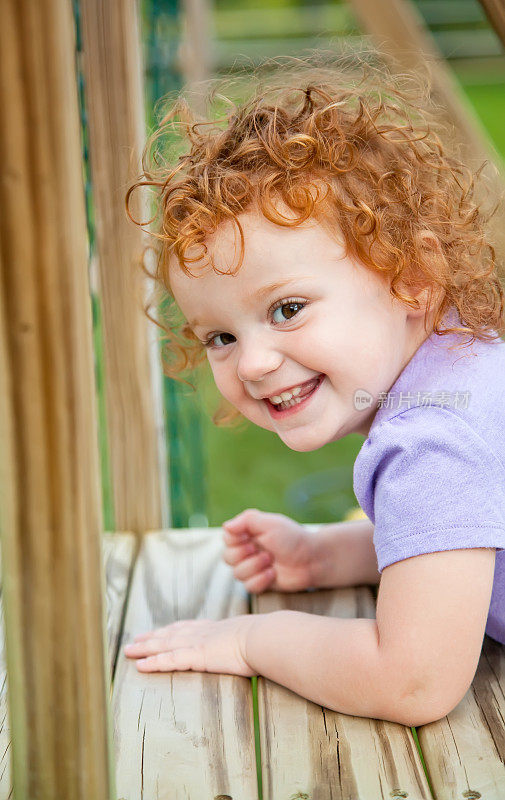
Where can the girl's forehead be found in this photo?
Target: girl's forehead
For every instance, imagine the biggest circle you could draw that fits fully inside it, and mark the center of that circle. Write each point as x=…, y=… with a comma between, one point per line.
x=261, y=239
x=298, y=257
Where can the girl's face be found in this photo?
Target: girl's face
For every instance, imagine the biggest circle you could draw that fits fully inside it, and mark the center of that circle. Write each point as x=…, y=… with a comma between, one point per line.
x=297, y=318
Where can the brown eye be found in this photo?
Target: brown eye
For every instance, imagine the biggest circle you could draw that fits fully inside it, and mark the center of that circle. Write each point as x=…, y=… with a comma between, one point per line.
x=223, y=337
x=287, y=311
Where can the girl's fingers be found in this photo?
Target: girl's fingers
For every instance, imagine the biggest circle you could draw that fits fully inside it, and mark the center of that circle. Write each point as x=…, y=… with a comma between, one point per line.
x=249, y=521
x=157, y=644
x=141, y=636
x=157, y=632
x=239, y=517
x=181, y=659
x=233, y=555
x=258, y=583
x=250, y=566
x=236, y=525
x=235, y=538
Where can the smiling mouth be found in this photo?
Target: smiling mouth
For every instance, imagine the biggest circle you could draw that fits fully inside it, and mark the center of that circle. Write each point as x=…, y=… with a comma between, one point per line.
x=295, y=403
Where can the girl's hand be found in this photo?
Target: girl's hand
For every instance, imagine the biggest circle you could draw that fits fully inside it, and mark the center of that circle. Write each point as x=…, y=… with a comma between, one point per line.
x=201, y=645
x=268, y=551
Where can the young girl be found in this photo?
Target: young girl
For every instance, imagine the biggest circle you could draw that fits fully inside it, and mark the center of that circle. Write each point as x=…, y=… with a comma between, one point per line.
x=328, y=257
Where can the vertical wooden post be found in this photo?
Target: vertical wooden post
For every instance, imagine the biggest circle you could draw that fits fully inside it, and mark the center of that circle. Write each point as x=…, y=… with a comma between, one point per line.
x=195, y=54
x=50, y=509
x=114, y=100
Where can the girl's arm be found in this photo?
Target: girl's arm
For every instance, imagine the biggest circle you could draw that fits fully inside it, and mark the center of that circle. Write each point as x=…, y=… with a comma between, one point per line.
x=344, y=555
x=411, y=665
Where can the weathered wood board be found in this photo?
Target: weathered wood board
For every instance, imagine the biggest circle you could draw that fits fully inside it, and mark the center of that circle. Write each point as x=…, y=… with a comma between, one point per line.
x=118, y=559
x=310, y=750
x=191, y=735
x=186, y=734
x=465, y=751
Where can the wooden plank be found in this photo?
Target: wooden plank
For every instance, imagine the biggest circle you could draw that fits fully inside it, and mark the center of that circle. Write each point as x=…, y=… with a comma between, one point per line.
x=113, y=89
x=495, y=10
x=195, y=50
x=51, y=520
x=117, y=553
x=5, y=728
x=311, y=750
x=465, y=751
x=186, y=734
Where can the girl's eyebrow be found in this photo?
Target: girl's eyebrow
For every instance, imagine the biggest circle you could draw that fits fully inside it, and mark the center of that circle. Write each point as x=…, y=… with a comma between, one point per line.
x=272, y=287
x=262, y=293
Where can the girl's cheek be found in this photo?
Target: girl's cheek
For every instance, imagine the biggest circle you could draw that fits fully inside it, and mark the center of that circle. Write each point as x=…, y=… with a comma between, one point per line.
x=223, y=379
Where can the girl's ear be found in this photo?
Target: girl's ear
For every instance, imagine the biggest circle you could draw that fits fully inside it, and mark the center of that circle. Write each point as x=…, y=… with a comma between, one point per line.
x=431, y=252
x=430, y=247
x=428, y=291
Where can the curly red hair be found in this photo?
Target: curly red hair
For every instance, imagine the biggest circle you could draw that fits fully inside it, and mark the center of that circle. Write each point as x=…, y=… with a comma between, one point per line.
x=357, y=147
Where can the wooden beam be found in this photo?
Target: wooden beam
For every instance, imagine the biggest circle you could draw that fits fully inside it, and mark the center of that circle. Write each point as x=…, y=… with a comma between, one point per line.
x=399, y=33
x=182, y=734
x=495, y=10
x=114, y=99
x=50, y=502
x=304, y=746
x=118, y=551
x=465, y=751
x=195, y=52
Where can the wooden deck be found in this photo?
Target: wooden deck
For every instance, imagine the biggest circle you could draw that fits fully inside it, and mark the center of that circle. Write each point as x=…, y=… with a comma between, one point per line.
x=190, y=736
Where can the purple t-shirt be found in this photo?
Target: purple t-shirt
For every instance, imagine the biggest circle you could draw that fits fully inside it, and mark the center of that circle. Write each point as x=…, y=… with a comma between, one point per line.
x=431, y=474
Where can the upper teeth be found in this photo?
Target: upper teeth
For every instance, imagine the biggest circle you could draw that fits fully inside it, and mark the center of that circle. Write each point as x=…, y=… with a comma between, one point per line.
x=281, y=398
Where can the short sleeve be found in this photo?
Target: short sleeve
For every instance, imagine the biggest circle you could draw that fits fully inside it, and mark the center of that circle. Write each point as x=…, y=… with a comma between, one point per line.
x=429, y=482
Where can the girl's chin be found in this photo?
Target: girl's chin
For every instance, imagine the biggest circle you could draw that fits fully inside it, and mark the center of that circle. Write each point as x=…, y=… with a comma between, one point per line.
x=303, y=447
x=302, y=441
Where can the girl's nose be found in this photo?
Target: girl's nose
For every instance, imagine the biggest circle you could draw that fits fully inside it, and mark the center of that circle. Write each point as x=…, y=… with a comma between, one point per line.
x=256, y=359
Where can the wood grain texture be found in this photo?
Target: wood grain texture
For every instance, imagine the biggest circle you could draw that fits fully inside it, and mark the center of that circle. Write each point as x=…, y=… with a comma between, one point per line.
x=183, y=735
x=5, y=728
x=309, y=749
x=114, y=99
x=117, y=553
x=465, y=751
x=51, y=520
